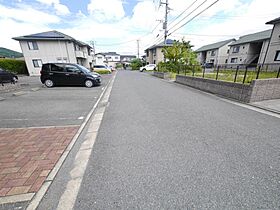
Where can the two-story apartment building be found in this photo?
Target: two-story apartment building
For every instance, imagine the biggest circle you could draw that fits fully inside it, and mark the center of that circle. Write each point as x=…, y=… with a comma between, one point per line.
x=272, y=55
x=109, y=58
x=216, y=53
x=53, y=46
x=154, y=53
x=250, y=49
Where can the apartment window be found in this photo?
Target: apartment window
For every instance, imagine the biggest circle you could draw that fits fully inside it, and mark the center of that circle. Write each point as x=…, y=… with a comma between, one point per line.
x=236, y=49
x=228, y=51
x=37, y=63
x=77, y=47
x=226, y=60
x=213, y=53
x=147, y=53
x=32, y=45
x=233, y=60
x=116, y=57
x=277, y=56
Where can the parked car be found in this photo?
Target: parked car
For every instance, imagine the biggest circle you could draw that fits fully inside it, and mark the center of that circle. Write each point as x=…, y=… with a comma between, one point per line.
x=6, y=76
x=68, y=74
x=208, y=65
x=149, y=67
x=101, y=68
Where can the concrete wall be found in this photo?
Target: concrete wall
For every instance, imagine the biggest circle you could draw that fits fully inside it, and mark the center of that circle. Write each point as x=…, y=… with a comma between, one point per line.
x=161, y=75
x=258, y=90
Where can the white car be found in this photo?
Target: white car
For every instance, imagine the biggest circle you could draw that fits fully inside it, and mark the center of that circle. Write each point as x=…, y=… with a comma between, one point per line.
x=149, y=67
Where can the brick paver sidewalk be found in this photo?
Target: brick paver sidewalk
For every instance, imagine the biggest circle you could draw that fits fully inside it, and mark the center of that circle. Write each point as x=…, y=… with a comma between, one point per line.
x=28, y=155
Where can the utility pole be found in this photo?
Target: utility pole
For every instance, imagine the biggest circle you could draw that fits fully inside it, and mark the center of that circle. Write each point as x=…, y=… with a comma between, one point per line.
x=165, y=20
x=137, y=48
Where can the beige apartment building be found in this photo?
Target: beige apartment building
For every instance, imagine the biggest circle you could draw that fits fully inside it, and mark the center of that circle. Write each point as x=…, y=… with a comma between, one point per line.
x=216, y=53
x=154, y=53
x=250, y=49
x=273, y=53
x=53, y=46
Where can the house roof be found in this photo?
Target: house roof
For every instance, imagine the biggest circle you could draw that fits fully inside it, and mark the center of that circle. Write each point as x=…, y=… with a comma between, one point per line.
x=7, y=53
x=263, y=35
x=109, y=53
x=276, y=20
x=213, y=46
x=169, y=42
x=50, y=35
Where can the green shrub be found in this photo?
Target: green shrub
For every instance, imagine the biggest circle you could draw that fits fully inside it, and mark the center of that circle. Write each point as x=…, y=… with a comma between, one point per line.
x=15, y=66
x=103, y=71
x=136, y=64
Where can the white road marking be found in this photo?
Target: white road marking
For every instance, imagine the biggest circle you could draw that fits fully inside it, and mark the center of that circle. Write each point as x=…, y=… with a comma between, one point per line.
x=81, y=118
x=68, y=198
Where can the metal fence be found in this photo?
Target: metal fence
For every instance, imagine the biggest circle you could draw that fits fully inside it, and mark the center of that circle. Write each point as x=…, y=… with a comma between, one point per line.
x=232, y=73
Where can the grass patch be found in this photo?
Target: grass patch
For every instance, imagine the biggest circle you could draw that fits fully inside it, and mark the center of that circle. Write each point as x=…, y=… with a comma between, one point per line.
x=103, y=71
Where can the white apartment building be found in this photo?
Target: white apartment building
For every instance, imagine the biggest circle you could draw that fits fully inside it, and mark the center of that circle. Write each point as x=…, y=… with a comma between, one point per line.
x=53, y=46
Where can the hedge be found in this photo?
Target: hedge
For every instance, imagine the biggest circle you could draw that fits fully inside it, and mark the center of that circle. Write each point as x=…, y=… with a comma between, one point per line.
x=103, y=71
x=15, y=66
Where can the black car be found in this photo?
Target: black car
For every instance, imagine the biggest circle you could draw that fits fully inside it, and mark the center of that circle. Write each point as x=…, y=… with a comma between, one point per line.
x=68, y=74
x=6, y=76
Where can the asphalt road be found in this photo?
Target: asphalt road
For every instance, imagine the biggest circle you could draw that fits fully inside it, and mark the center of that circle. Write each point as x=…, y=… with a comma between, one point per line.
x=167, y=146
x=41, y=106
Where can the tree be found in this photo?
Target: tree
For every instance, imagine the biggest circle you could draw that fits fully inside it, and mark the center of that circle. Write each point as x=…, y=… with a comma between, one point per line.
x=136, y=64
x=180, y=53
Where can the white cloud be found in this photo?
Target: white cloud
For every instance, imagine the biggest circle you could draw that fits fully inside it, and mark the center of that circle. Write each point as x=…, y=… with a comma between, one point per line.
x=61, y=9
x=104, y=10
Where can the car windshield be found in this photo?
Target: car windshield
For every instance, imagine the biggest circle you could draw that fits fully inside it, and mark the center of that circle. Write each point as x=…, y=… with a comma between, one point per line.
x=84, y=69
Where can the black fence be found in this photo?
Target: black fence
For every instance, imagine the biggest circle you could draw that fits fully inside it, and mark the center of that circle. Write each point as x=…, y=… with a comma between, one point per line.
x=232, y=73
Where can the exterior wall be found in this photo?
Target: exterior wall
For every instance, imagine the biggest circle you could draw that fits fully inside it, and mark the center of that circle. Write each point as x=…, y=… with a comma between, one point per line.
x=201, y=57
x=100, y=59
x=258, y=90
x=210, y=57
x=223, y=55
x=274, y=45
x=114, y=58
x=54, y=51
x=263, y=51
x=155, y=55
x=241, y=55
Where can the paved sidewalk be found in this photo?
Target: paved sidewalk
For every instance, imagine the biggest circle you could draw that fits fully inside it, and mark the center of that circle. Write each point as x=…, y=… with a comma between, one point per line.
x=271, y=105
x=28, y=155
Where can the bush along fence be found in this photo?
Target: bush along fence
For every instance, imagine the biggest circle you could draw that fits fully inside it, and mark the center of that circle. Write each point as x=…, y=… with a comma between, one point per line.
x=231, y=73
x=15, y=66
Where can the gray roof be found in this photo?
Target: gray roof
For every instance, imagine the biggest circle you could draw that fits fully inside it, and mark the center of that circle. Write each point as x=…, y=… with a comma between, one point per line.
x=109, y=53
x=276, y=20
x=50, y=35
x=169, y=42
x=213, y=46
x=260, y=36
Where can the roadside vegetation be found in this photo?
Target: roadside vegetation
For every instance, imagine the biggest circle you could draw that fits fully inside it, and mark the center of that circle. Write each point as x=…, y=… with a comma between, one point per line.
x=181, y=59
x=102, y=71
x=136, y=64
x=14, y=66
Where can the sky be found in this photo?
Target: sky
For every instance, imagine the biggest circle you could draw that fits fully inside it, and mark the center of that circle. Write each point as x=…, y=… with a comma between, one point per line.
x=116, y=25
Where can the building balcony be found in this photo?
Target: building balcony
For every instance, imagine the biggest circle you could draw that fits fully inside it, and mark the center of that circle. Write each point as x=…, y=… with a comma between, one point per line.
x=81, y=54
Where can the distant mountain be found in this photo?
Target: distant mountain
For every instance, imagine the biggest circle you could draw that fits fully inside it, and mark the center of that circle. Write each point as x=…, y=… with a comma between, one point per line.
x=6, y=53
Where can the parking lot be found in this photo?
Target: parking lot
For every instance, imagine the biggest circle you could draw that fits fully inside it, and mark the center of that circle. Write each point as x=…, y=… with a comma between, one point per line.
x=37, y=106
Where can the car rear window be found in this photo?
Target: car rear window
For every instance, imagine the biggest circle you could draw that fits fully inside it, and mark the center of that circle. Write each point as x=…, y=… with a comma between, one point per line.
x=57, y=67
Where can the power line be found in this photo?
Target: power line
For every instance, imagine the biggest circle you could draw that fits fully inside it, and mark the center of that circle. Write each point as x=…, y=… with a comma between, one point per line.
x=195, y=16
x=172, y=21
x=190, y=13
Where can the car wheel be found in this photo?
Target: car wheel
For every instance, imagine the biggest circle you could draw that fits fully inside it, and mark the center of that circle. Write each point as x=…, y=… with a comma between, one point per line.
x=14, y=80
x=49, y=83
x=88, y=83
x=144, y=69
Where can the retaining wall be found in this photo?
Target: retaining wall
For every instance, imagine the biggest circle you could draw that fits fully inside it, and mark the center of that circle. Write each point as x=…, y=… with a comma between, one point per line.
x=258, y=90
x=161, y=75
